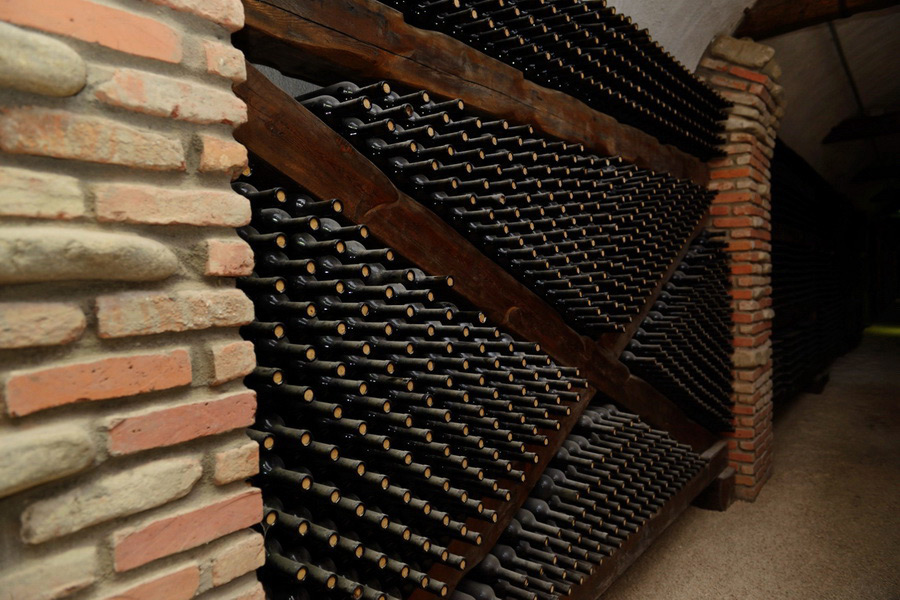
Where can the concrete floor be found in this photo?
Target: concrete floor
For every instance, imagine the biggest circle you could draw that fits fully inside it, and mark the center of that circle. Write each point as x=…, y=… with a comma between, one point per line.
x=826, y=526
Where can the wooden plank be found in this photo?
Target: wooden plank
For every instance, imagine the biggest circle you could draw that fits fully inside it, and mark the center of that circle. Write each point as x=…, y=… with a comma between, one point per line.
x=635, y=545
x=861, y=128
x=719, y=495
x=297, y=143
x=322, y=40
x=769, y=18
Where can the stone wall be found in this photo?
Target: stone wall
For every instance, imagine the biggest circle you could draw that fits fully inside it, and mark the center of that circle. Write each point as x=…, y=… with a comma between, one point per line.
x=123, y=456
x=745, y=73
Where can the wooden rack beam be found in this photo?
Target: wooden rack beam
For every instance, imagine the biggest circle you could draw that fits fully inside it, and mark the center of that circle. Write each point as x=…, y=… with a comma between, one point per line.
x=301, y=146
x=634, y=546
x=364, y=39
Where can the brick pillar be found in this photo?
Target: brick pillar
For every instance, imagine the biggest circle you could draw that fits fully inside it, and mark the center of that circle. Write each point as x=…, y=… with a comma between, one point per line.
x=744, y=72
x=123, y=454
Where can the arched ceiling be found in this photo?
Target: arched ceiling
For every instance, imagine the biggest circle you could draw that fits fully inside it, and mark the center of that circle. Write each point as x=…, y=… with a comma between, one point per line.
x=819, y=95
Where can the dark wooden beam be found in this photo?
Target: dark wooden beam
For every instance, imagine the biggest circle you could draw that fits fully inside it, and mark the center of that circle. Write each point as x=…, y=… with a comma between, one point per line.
x=768, y=18
x=323, y=41
x=861, y=128
x=719, y=495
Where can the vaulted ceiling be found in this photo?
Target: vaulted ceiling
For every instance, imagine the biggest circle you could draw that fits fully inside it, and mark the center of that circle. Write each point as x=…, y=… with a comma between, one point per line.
x=817, y=81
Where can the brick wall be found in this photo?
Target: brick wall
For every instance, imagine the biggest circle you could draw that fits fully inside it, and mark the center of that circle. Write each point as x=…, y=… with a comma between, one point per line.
x=122, y=450
x=745, y=73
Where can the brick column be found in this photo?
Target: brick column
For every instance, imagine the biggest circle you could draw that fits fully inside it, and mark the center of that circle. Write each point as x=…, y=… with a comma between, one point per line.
x=123, y=454
x=744, y=72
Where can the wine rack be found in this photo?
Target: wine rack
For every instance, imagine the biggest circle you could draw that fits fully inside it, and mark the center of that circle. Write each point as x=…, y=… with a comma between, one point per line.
x=418, y=405
x=591, y=235
x=655, y=457
x=592, y=53
x=683, y=347
x=815, y=273
x=609, y=478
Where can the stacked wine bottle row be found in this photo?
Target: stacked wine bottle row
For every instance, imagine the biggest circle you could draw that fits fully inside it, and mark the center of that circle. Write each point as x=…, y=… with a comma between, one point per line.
x=683, y=346
x=390, y=419
x=611, y=475
x=592, y=235
x=587, y=50
x=814, y=275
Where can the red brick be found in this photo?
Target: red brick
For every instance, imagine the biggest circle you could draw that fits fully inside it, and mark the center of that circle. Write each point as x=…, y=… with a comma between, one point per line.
x=247, y=590
x=760, y=176
x=228, y=258
x=753, y=280
x=181, y=584
x=242, y=554
x=177, y=424
x=139, y=546
x=741, y=409
x=227, y=13
x=735, y=197
x=748, y=74
x=752, y=256
x=231, y=360
x=721, y=185
x=219, y=155
x=744, y=233
x=750, y=342
x=728, y=82
x=239, y=462
x=750, y=209
x=742, y=137
x=28, y=324
x=60, y=195
x=746, y=317
x=741, y=269
x=741, y=457
x=714, y=64
x=112, y=377
x=754, y=328
x=91, y=22
x=146, y=313
x=747, y=480
x=161, y=96
x=731, y=222
x=717, y=163
x=761, y=164
x=734, y=173
x=63, y=134
x=719, y=209
x=737, y=148
x=131, y=203
x=225, y=60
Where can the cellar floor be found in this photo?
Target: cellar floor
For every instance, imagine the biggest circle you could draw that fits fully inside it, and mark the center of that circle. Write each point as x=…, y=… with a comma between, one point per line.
x=826, y=526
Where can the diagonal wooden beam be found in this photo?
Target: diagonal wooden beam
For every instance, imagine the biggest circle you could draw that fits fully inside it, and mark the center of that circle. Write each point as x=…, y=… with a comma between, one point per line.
x=860, y=128
x=768, y=18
